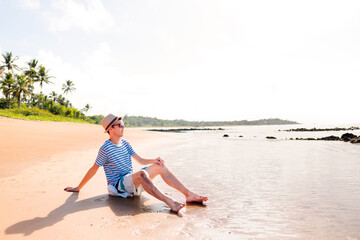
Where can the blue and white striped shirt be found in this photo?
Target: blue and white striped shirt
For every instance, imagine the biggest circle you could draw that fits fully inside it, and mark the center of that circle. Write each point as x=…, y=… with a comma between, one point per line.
x=116, y=160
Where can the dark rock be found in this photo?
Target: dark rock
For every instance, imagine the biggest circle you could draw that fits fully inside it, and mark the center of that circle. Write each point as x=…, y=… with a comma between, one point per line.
x=330, y=138
x=225, y=135
x=240, y=136
x=321, y=129
x=355, y=140
x=306, y=139
x=270, y=137
x=346, y=137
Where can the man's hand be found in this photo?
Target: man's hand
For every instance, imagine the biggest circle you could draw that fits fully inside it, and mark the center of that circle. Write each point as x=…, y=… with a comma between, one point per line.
x=71, y=189
x=160, y=161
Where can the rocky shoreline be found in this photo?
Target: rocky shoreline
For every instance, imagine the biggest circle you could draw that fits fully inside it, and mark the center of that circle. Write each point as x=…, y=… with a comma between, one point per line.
x=178, y=130
x=321, y=129
x=346, y=137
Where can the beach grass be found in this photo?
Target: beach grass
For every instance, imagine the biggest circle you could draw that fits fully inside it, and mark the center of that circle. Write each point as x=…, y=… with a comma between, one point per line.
x=36, y=114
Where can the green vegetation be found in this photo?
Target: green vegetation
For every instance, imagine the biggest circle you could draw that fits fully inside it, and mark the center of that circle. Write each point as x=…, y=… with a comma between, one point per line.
x=36, y=114
x=21, y=101
x=137, y=121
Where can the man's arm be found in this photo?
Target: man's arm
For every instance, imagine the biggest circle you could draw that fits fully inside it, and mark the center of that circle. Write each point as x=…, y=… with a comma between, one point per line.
x=144, y=161
x=86, y=178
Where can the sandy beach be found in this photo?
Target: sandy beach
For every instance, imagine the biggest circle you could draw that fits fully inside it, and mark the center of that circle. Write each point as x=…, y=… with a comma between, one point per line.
x=258, y=188
x=38, y=159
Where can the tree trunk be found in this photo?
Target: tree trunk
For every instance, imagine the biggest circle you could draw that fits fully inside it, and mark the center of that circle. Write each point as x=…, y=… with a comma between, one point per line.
x=19, y=100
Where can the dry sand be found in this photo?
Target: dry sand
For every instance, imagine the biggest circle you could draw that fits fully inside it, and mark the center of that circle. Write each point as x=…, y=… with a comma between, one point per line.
x=38, y=159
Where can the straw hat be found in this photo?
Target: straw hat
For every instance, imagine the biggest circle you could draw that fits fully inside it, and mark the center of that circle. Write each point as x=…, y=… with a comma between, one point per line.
x=109, y=120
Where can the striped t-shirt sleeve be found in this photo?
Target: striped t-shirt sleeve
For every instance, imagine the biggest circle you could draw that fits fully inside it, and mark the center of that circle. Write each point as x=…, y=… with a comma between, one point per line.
x=101, y=157
x=129, y=148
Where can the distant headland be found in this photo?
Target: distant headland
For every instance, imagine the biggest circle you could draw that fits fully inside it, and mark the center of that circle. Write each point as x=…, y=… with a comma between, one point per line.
x=138, y=121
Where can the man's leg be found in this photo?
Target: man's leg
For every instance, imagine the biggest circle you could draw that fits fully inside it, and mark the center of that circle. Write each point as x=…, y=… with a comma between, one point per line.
x=142, y=178
x=172, y=181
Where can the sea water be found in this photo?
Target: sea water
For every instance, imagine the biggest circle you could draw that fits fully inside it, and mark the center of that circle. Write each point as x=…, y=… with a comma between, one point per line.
x=261, y=188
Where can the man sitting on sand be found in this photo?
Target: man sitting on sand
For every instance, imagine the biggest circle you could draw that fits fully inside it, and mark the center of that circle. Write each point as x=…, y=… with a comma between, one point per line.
x=115, y=156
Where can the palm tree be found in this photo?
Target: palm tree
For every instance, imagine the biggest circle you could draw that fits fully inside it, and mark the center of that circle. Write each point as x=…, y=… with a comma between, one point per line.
x=86, y=108
x=9, y=62
x=7, y=86
x=43, y=76
x=68, y=86
x=22, y=87
x=33, y=63
x=31, y=71
x=39, y=100
x=61, y=100
x=53, y=96
x=68, y=103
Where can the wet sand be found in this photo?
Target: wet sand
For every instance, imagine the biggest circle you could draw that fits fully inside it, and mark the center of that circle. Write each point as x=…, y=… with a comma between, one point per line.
x=38, y=159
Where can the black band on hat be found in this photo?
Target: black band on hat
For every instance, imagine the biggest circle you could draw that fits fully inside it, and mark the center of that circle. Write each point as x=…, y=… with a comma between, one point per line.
x=111, y=123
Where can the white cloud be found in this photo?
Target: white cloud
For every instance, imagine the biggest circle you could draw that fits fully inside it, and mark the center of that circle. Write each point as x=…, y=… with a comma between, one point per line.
x=98, y=80
x=61, y=70
x=107, y=88
x=30, y=4
x=90, y=16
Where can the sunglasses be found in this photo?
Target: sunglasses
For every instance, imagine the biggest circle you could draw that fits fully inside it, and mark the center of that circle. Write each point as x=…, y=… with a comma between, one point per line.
x=120, y=125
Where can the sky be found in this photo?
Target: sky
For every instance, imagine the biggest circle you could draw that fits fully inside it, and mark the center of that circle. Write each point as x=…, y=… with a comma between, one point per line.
x=198, y=60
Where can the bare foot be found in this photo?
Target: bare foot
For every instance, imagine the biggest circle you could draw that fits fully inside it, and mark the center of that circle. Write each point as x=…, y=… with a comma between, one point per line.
x=176, y=206
x=71, y=189
x=193, y=197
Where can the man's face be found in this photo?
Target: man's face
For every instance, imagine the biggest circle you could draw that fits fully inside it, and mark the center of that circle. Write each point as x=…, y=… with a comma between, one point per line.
x=118, y=128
